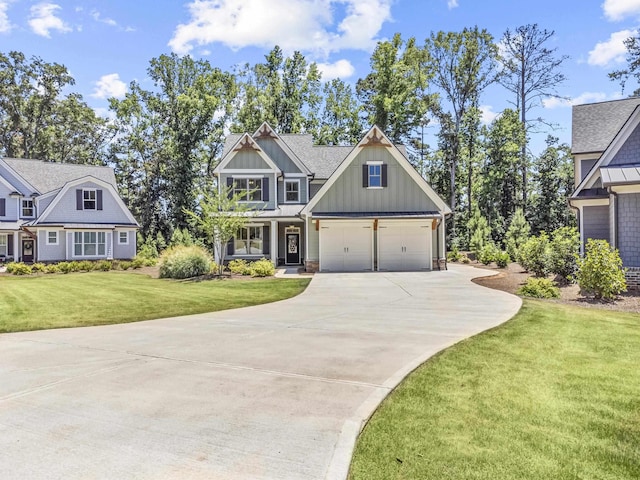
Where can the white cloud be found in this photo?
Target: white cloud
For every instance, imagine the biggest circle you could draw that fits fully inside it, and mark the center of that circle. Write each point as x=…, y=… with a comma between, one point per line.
x=613, y=50
x=97, y=16
x=307, y=25
x=43, y=19
x=110, y=86
x=452, y=4
x=340, y=69
x=619, y=9
x=586, y=97
x=5, y=24
x=487, y=115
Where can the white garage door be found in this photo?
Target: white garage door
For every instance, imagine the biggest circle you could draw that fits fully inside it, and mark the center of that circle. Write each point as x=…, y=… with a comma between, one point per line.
x=404, y=245
x=346, y=246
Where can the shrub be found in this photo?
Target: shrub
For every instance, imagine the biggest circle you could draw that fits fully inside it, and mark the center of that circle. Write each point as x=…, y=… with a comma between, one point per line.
x=181, y=237
x=148, y=249
x=184, y=262
x=539, y=288
x=534, y=255
x=517, y=234
x=38, y=267
x=104, y=265
x=75, y=266
x=454, y=254
x=125, y=264
x=262, y=268
x=563, y=255
x=64, y=267
x=137, y=263
x=502, y=259
x=52, y=268
x=86, y=266
x=239, y=267
x=464, y=258
x=19, y=268
x=600, y=272
x=488, y=253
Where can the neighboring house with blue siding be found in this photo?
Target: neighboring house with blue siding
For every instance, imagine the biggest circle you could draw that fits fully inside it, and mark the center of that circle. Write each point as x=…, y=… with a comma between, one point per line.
x=606, y=150
x=333, y=208
x=54, y=212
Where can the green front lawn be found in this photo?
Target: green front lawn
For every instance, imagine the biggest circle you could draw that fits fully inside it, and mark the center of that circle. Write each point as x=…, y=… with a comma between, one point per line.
x=552, y=394
x=99, y=298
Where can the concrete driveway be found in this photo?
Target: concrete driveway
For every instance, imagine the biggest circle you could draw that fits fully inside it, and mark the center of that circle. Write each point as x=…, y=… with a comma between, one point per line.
x=276, y=391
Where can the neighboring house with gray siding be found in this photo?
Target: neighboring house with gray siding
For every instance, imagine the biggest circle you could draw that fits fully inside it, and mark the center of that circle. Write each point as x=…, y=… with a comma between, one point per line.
x=54, y=212
x=333, y=208
x=606, y=150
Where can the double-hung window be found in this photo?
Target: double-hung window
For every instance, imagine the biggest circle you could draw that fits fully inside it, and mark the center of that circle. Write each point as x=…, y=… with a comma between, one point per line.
x=248, y=189
x=89, y=201
x=123, y=238
x=249, y=241
x=52, y=237
x=3, y=245
x=292, y=191
x=89, y=244
x=375, y=175
x=27, y=208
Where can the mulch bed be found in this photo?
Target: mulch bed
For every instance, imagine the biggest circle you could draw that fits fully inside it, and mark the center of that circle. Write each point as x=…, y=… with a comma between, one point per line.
x=510, y=279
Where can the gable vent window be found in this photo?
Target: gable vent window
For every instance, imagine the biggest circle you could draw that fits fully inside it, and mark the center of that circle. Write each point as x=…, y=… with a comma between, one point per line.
x=88, y=199
x=374, y=175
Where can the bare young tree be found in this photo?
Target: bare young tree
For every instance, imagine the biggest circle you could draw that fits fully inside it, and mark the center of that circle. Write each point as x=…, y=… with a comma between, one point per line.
x=531, y=71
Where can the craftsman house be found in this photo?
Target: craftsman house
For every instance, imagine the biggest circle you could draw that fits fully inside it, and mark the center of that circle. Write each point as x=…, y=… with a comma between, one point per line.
x=333, y=208
x=53, y=212
x=606, y=149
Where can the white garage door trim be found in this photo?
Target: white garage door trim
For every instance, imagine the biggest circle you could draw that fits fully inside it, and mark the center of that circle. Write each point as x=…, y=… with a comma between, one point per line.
x=403, y=246
x=341, y=253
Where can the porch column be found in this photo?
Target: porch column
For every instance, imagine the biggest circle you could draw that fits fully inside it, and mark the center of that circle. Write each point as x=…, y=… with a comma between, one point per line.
x=274, y=242
x=16, y=246
x=443, y=240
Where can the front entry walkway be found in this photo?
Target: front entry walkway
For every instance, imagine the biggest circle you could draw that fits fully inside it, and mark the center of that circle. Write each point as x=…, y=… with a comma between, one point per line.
x=275, y=391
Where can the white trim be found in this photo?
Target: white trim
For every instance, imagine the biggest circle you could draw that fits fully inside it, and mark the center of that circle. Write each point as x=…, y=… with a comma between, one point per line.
x=292, y=156
x=120, y=232
x=294, y=175
x=284, y=190
x=375, y=162
x=94, y=200
x=625, y=188
x=242, y=172
x=47, y=242
x=232, y=153
x=397, y=155
x=590, y=202
x=81, y=180
x=611, y=151
x=376, y=188
x=33, y=207
x=273, y=244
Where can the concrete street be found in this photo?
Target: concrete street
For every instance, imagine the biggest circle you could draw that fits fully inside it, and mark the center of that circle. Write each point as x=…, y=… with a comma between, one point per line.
x=276, y=391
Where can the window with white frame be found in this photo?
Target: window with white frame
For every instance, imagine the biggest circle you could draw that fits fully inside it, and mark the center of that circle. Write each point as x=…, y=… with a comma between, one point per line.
x=248, y=241
x=123, y=238
x=3, y=245
x=375, y=175
x=249, y=189
x=89, y=244
x=52, y=237
x=292, y=191
x=27, y=208
x=89, y=201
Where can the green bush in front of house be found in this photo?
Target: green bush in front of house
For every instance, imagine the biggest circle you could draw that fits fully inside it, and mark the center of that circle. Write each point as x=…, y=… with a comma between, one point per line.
x=600, y=272
x=239, y=266
x=502, y=259
x=534, y=255
x=185, y=262
x=539, y=288
x=262, y=268
x=19, y=268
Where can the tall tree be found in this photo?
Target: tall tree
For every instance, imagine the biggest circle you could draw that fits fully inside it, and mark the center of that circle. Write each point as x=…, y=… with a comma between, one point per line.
x=553, y=178
x=37, y=121
x=531, y=71
x=395, y=94
x=180, y=124
x=632, y=44
x=340, y=118
x=464, y=64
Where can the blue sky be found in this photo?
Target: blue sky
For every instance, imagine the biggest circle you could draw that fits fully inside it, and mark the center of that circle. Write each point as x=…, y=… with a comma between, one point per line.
x=105, y=45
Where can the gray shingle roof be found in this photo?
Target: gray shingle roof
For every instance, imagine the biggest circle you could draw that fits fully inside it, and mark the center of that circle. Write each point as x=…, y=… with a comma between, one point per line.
x=49, y=176
x=595, y=125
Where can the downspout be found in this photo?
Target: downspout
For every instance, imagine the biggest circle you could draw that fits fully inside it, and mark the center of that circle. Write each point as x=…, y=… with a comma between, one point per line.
x=615, y=217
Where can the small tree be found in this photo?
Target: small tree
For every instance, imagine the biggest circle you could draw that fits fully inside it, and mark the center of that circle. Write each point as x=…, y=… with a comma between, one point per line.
x=517, y=234
x=480, y=232
x=600, y=272
x=219, y=216
x=534, y=255
x=563, y=254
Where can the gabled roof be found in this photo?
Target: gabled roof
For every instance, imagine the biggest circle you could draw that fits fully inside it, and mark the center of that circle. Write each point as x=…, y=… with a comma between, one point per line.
x=612, y=149
x=47, y=176
x=376, y=136
x=595, y=125
x=77, y=181
x=243, y=142
x=265, y=131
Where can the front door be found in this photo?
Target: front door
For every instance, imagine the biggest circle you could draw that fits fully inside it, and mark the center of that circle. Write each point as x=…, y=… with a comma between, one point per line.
x=27, y=250
x=293, y=249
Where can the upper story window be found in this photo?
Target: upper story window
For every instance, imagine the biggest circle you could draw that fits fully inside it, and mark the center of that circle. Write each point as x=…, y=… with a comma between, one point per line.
x=27, y=208
x=249, y=189
x=292, y=191
x=89, y=200
x=374, y=175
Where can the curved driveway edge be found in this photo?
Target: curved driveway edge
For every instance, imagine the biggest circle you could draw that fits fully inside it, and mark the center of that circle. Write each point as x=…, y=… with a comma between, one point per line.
x=275, y=391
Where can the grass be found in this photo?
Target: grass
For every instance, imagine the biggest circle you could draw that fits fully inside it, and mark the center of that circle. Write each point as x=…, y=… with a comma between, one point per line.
x=552, y=394
x=100, y=298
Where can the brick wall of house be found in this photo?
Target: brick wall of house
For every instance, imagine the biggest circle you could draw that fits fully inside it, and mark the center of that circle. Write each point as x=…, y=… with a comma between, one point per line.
x=633, y=278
